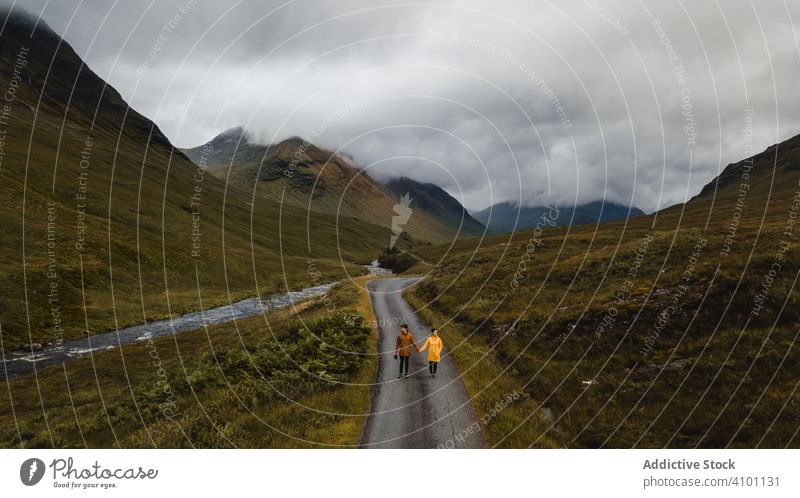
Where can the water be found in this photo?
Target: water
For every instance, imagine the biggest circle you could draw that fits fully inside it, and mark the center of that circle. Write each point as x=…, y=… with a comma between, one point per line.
x=19, y=363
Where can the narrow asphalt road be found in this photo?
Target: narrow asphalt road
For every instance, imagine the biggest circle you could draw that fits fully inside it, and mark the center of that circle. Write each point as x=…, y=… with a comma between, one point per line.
x=415, y=412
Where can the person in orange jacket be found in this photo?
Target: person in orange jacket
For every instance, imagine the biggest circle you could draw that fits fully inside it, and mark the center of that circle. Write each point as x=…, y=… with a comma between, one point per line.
x=402, y=348
x=434, y=346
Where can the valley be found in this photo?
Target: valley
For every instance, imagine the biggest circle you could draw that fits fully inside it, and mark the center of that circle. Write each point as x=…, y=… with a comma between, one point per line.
x=228, y=295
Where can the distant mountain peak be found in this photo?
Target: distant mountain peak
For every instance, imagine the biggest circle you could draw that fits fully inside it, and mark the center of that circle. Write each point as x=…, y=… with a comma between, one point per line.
x=236, y=131
x=433, y=199
x=508, y=217
x=230, y=138
x=297, y=141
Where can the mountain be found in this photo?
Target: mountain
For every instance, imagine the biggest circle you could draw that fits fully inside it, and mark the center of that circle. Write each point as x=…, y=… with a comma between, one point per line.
x=748, y=192
x=687, y=315
x=434, y=201
x=217, y=155
x=46, y=67
x=296, y=172
x=507, y=217
x=106, y=224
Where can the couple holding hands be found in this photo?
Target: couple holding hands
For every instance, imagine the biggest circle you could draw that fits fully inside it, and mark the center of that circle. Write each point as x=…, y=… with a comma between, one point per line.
x=402, y=349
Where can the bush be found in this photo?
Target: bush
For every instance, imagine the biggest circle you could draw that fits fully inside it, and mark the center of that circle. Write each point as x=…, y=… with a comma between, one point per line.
x=304, y=359
x=396, y=261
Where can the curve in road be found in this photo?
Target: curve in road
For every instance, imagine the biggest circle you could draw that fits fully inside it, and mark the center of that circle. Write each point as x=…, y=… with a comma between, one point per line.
x=414, y=412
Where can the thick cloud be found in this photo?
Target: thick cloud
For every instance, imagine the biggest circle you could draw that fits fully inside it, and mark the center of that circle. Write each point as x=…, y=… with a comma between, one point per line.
x=524, y=101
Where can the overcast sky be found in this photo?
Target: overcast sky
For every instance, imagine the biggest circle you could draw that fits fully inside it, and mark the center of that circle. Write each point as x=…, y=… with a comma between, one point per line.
x=521, y=101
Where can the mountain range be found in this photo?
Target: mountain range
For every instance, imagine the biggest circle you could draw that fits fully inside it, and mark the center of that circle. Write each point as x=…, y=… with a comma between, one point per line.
x=508, y=217
x=297, y=172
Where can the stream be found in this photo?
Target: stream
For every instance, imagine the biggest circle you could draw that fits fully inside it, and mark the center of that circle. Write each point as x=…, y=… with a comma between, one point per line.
x=18, y=363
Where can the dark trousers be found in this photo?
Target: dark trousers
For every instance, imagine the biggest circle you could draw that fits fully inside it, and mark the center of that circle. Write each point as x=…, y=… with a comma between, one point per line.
x=404, y=361
x=432, y=366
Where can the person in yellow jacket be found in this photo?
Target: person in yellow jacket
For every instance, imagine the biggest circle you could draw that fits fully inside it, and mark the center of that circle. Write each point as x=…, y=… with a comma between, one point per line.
x=434, y=346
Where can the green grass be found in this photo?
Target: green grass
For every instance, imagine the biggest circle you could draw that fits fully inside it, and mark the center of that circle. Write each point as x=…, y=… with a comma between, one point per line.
x=705, y=372
x=501, y=407
x=299, y=378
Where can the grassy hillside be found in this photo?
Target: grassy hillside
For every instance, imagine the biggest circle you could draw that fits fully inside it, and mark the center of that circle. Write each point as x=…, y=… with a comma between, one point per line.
x=294, y=378
x=106, y=225
x=676, y=329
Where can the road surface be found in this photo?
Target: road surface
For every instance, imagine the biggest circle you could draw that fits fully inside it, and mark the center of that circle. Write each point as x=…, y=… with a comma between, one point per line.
x=414, y=412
